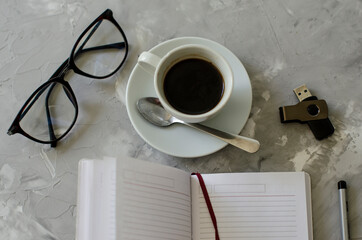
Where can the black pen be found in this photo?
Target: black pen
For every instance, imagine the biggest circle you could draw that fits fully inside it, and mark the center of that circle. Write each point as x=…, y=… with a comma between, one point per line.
x=343, y=209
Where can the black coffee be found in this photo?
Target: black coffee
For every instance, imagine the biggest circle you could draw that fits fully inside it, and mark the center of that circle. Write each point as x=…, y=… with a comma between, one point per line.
x=193, y=86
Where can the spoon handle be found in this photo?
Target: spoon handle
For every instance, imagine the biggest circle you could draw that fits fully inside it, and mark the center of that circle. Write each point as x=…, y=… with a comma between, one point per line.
x=247, y=144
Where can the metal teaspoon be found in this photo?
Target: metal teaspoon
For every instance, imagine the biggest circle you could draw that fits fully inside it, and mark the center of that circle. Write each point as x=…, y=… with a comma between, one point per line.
x=152, y=110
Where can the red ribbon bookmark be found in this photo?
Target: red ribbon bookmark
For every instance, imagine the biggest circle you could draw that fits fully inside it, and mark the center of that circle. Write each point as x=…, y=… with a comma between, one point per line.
x=208, y=203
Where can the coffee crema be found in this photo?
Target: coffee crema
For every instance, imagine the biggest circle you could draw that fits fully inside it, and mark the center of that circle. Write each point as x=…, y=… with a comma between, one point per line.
x=193, y=86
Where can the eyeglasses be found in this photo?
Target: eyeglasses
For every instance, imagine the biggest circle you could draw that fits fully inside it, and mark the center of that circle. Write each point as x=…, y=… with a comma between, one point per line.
x=51, y=111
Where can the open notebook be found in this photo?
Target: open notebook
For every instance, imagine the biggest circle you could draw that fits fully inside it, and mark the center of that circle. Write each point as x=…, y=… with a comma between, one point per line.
x=132, y=199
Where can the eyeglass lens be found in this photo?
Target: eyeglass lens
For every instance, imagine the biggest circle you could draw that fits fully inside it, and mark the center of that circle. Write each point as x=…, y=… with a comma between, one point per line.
x=101, y=50
x=53, y=100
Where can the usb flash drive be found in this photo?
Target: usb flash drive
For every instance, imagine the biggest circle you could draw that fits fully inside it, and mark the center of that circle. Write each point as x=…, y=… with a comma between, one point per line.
x=309, y=110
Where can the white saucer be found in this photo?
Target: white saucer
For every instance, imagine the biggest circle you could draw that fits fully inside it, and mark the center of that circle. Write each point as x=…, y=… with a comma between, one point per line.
x=178, y=140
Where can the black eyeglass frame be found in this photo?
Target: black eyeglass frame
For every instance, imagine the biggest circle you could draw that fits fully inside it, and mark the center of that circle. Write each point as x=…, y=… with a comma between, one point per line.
x=58, y=77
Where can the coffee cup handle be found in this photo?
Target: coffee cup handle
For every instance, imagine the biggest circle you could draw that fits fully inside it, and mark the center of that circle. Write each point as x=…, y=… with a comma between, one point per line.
x=149, y=61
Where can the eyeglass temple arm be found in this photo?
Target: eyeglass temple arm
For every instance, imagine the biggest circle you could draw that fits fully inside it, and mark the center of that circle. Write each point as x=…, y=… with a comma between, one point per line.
x=118, y=45
x=58, y=73
x=62, y=69
x=50, y=124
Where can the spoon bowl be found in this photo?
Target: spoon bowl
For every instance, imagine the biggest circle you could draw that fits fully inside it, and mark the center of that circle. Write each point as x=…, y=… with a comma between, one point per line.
x=152, y=110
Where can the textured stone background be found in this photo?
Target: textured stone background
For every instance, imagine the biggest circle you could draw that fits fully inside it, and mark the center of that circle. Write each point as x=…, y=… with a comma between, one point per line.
x=283, y=44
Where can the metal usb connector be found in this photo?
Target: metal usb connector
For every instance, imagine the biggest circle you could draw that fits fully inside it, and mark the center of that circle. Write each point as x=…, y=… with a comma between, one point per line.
x=302, y=93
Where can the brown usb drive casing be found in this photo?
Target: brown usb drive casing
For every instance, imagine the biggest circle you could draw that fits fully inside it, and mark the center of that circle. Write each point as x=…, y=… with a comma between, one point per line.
x=309, y=110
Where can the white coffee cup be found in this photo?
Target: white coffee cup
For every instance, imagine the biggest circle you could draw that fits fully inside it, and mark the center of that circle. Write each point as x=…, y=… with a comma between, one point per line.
x=159, y=66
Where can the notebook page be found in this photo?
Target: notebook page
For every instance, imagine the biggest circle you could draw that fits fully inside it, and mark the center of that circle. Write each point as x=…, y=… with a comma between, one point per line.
x=258, y=206
x=153, y=201
x=96, y=199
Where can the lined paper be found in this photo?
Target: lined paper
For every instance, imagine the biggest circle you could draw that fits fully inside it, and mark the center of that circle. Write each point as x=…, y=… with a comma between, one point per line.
x=265, y=206
x=154, y=202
